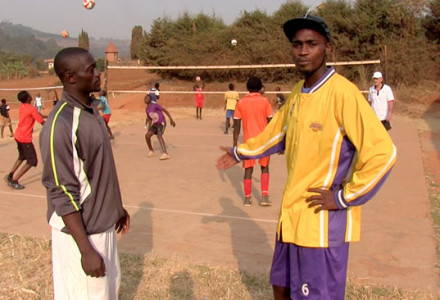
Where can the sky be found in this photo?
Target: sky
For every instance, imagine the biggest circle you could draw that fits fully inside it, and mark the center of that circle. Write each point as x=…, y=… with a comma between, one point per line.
x=116, y=18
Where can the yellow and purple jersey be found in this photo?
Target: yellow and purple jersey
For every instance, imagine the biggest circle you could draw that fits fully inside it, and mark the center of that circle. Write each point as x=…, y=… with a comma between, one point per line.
x=332, y=141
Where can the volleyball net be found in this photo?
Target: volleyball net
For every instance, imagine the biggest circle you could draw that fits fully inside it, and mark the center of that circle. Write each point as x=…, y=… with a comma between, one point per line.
x=137, y=79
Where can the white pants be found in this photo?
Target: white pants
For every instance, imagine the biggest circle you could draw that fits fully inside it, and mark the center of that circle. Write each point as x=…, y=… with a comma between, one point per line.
x=70, y=281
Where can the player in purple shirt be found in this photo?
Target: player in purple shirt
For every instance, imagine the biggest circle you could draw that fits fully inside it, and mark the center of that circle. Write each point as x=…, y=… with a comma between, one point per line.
x=156, y=123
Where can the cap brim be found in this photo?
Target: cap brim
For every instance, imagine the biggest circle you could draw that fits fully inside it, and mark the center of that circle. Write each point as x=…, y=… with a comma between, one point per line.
x=292, y=26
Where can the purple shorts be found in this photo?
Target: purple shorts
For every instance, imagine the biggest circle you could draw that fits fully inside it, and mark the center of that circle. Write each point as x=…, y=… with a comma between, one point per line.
x=310, y=273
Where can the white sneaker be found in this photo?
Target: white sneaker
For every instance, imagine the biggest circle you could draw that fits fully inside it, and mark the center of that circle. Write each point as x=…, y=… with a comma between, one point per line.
x=164, y=156
x=151, y=154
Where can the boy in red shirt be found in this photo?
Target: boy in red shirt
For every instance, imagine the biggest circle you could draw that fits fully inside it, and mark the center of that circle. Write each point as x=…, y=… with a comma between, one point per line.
x=253, y=111
x=27, y=115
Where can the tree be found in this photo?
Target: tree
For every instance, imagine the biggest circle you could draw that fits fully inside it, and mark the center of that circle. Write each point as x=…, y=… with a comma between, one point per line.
x=83, y=40
x=402, y=33
x=136, y=40
x=432, y=21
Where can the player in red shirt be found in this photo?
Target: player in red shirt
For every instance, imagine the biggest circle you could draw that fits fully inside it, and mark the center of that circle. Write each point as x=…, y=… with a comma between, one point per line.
x=199, y=85
x=253, y=111
x=27, y=115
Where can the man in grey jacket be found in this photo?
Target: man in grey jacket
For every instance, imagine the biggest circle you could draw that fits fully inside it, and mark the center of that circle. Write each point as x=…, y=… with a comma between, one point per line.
x=84, y=200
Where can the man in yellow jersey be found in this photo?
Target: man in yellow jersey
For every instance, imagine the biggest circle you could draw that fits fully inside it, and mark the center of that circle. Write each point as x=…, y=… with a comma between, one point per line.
x=338, y=155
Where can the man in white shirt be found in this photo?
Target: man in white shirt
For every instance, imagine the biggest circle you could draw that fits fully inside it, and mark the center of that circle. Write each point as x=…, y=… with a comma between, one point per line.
x=381, y=99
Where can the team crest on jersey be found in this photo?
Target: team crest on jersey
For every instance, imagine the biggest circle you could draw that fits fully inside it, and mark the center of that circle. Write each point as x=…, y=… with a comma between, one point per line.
x=316, y=126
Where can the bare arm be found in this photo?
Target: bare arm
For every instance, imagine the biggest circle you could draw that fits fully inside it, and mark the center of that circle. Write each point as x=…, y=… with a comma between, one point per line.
x=237, y=128
x=123, y=224
x=91, y=261
x=390, y=110
x=147, y=122
x=169, y=117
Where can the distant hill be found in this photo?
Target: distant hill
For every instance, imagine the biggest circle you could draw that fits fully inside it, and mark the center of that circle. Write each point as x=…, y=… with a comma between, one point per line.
x=14, y=36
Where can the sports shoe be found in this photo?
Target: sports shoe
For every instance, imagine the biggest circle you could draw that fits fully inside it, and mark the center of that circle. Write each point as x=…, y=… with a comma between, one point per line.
x=247, y=201
x=265, y=201
x=164, y=156
x=151, y=154
x=8, y=178
x=16, y=185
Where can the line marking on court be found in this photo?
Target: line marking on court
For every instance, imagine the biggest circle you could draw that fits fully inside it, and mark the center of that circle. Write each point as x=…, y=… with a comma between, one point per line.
x=22, y=195
x=164, y=210
x=202, y=214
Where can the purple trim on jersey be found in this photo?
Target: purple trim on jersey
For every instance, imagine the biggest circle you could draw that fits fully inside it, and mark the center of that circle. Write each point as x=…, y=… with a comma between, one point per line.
x=337, y=224
x=310, y=273
x=156, y=108
x=364, y=198
x=274, y=149
x=324, y=78
x=347, y=153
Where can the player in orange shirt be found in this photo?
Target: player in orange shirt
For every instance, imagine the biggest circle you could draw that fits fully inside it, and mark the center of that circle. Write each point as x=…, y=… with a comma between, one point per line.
x=27, y=115
x=253, y=111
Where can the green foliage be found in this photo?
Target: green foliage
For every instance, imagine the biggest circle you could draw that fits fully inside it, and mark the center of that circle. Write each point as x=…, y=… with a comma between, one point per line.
x=13, y=69
x=402, y=33
x=28, y=45
x=40, y=64
x=136, y=39
x=83, y=40
x=432, y=21
x=100, y=63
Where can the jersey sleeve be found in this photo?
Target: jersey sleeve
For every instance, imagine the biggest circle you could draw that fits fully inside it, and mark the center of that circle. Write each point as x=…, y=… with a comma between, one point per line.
x=36, y=115
x=59, y=176
x=370, y=97
x=376, y=153
x=268, y=109
x=390, y=95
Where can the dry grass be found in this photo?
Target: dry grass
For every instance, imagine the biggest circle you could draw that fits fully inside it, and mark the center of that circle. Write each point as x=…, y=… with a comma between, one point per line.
x=25, y=268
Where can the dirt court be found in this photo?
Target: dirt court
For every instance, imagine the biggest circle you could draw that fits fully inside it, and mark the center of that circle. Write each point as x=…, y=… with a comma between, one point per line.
x=185, y=209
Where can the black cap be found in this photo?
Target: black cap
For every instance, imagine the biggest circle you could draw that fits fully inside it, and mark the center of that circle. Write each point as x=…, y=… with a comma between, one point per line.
x=306, y=22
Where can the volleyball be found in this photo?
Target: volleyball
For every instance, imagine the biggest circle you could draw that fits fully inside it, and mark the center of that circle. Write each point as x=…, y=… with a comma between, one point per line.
x=89, y=4
x=65, y=34
x=234, y=42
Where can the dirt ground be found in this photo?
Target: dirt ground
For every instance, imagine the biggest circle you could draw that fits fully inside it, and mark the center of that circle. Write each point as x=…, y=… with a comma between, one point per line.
x=184, y=208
